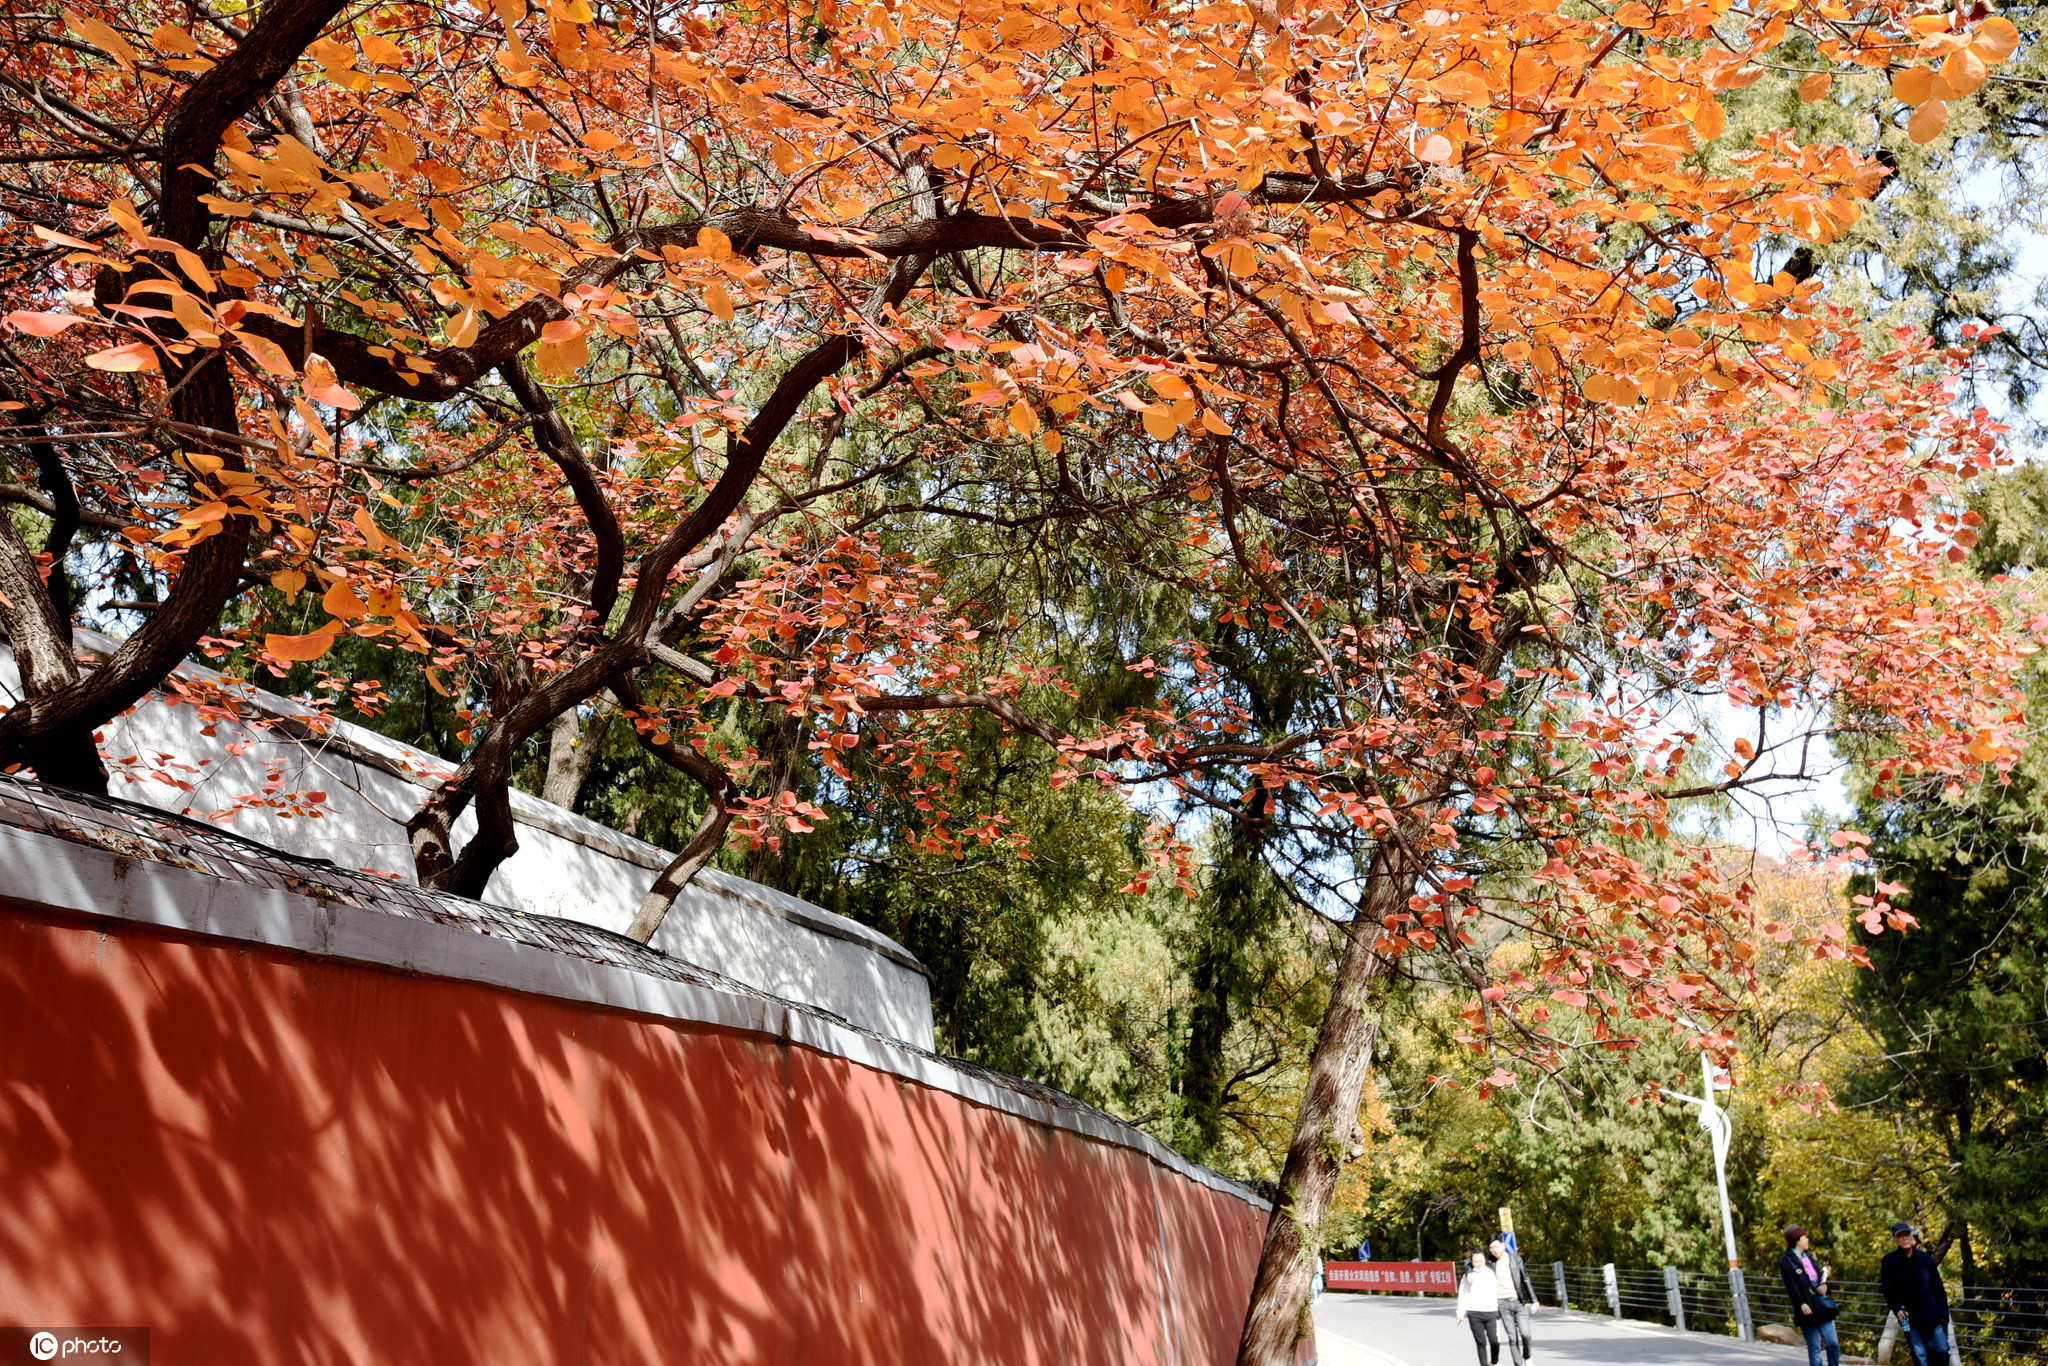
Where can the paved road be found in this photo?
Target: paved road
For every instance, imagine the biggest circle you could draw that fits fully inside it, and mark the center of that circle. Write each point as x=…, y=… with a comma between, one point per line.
x=1399, y=1330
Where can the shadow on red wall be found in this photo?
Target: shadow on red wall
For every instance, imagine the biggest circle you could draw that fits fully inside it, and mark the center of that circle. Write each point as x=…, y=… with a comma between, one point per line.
x=269, y=1158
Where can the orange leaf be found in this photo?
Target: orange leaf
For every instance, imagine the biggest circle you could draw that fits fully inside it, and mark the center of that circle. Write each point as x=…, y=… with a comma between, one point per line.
x=1996, y=39
x=1816, y=86
x=562, y=359
x=1711, y=120
x=63, y=239
x=102, y=37
x=268, y=354
x=123, y=360
x=1435, y=149
x=194, y=268
x=298, y=649
x=41, y=324
x=1159, y=424
x=123, y=213
x=719, y=302
x=373, y=535
x=1914, y=85
x=322, y=386
x=1964, y=71
x=1466, y=87
x=1928, y=121
x=169, y=38
x=288, y=582
x=341, y=601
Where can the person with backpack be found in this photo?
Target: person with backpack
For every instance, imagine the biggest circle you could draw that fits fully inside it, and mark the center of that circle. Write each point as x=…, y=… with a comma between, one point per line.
x=1813, y=1312
x=1913, y=1290
x=1479, y=1310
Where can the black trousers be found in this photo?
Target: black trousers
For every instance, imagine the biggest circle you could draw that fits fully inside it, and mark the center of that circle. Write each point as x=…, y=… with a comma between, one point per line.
x=1486, y=1337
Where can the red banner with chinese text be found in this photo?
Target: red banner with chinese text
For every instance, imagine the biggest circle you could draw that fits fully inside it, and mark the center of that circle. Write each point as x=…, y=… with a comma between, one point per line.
x=1433, y=1278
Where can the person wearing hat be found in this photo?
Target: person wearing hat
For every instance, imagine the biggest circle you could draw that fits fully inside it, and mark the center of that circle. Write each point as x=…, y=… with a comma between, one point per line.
x=1805, y=1284
x=1914, y=1291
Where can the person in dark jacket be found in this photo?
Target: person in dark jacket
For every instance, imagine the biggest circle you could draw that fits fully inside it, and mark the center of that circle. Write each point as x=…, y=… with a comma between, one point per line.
x=1517, y=1295
x=1805, y=1283
x=1914, y=1291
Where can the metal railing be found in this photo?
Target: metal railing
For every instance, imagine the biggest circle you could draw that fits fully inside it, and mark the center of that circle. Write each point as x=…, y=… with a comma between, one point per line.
x=1989, y=1325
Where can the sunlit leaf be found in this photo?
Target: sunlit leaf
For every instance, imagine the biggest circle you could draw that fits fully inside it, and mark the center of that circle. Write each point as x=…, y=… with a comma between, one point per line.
x=41, y=324
x=126, y=359
x=301, y=649
x=1928, y=121
x=1996, y=39
x=1914, y=85
x=102, y=37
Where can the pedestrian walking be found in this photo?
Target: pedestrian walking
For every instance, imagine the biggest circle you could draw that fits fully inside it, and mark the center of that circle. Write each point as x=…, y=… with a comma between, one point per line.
x=1517, y=1294
x=1479, y=1310
x=1914, y=1291
x=1813, y=1312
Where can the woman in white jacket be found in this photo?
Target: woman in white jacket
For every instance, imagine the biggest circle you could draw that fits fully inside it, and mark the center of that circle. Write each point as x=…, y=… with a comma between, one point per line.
x=1479, y=1310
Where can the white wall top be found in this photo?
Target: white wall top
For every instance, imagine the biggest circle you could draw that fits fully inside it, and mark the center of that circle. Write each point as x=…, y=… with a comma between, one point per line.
x=566, y=866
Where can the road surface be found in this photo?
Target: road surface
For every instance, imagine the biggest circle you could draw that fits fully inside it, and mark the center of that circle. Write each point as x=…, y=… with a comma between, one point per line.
x=1400, y=1330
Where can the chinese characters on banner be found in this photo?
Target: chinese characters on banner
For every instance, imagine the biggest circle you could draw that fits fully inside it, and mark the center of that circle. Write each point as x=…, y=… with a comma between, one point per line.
x=1434, y=1278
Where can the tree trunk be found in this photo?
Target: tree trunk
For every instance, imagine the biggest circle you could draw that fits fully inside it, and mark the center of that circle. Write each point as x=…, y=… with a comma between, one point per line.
x=572, y=752
x=719, y=789
x=1240, y=909
x=1326, y=1129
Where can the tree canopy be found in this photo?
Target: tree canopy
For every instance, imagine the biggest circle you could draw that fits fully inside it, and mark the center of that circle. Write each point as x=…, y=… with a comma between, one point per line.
x=779, y=378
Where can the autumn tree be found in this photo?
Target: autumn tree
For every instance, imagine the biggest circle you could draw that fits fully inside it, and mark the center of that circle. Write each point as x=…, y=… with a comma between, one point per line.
x=1954, y=1011
x=597, y=358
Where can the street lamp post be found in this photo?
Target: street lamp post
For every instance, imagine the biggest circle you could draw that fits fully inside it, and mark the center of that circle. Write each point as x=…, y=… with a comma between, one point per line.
x=1721, y=1129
